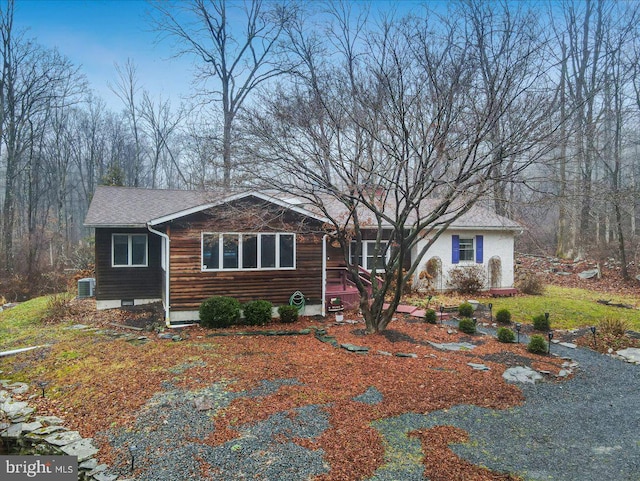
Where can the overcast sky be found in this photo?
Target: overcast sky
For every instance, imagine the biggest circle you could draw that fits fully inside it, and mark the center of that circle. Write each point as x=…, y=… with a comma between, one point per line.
x=95, y=34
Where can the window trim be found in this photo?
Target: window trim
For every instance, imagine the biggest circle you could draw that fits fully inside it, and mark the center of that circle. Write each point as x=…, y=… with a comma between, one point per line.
x=240, y=237
x=471, y=251
x=129, y=236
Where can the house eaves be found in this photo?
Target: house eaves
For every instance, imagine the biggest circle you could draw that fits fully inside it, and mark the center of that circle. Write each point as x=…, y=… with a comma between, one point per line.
x=232, y=198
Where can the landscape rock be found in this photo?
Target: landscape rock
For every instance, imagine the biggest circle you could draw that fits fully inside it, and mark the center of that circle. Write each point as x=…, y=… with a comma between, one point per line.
x=84, y=449
x=478, y=367
x=453, y=346
x=631, y=354
x=354, y=348
x=522, y=374
x=64, y=438
x=406, y=354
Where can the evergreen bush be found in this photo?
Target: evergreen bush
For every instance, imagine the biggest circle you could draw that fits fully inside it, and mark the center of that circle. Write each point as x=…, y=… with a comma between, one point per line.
x=537, y=345
x=430, y=316
x=257, y=313
x=506, y=335
x=467, y=326
x=503, y=316
x=288, y=314
x=219, y=311
x=541, y=323
x=465, y=310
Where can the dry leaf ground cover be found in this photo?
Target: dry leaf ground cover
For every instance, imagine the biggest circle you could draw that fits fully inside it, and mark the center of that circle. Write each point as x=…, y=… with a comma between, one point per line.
x=101, y=381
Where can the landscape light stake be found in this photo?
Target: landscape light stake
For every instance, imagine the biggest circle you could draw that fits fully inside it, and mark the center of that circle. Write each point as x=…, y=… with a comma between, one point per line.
x=490, y=312
x=518, y=327
x=429, y=300
x=42, y=385
x=132, y=450
x=441, y=313
x=550, y=337
x=475, y=321
x=593, y=331
x=546, y=316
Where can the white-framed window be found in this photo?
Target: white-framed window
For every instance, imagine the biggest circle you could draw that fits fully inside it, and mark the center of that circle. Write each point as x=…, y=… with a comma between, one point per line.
x=129, y=250
x=467, y=252
x=368, y=257
x=248, y=251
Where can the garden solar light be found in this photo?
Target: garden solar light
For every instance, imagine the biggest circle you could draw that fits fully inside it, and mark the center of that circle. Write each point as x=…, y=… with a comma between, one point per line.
x=593, y=331
x=518, y=327
x=429, y=300
x=475, y=321
x=490, y=313
x=132, y=450
x=42, y=385
x=441, y=312
x=550, y=337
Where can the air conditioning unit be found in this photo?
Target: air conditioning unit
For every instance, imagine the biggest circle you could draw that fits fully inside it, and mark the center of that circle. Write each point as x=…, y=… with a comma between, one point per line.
x=86, y=287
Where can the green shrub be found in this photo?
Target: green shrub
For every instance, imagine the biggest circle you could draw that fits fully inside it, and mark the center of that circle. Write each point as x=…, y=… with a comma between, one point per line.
x=506, y=335
x=537, y=345
x=219, y=311
x=430, y=316
x=467, y=279
x=503, y=316
x=288, y=314
x=257, y=313
x=541, y=323
x=465, y=310
x=467, y=326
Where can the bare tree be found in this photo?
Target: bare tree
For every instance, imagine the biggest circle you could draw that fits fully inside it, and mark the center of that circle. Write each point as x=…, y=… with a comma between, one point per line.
x=235, y=61
x=127, y=90
x=399, y=132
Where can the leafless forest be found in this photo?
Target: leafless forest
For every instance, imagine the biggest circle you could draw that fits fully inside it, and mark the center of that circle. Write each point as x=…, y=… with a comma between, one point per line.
x=532, y=108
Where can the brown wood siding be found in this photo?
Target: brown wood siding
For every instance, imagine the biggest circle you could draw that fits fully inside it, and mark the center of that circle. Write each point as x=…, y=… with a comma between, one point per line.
x=190, y=285
x=113, y=283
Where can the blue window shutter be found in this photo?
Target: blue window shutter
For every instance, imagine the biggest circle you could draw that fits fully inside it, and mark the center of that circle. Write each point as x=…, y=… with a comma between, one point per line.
x=479, y=249
x=455, y=249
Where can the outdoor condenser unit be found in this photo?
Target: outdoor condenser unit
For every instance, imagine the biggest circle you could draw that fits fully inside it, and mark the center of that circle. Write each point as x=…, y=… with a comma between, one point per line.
x=86, y=287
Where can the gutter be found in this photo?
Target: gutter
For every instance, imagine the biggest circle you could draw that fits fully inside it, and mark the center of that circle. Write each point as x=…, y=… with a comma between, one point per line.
x=166, y=274
x=324, y=273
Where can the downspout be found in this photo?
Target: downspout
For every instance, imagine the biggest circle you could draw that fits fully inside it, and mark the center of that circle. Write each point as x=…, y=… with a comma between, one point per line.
x=166, y=273
x=324, y=273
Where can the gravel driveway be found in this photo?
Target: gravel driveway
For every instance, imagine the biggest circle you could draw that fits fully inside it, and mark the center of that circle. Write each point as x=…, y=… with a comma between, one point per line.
x=586, y=428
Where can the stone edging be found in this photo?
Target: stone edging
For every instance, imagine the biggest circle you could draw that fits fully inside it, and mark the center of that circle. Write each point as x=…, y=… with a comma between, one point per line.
x=27, y=434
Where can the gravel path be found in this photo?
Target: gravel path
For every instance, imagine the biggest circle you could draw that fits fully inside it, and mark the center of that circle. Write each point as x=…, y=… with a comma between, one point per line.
x=586, y=428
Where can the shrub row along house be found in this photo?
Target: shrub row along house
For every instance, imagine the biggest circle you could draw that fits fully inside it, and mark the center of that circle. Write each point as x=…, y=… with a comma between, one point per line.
x=181, y=247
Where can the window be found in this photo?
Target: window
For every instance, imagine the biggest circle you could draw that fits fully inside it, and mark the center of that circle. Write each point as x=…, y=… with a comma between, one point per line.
x=464, y=250
x=368, y=253
x=248, y=251
x=129, y=250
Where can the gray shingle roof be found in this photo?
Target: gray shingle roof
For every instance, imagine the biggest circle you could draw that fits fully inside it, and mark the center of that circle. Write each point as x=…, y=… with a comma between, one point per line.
x=134, y=207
